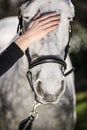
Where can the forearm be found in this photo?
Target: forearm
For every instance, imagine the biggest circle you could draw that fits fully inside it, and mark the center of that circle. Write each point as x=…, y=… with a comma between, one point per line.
x=9, y=57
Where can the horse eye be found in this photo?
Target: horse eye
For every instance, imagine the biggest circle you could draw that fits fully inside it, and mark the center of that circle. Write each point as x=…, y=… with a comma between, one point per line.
x=39, y=89
x=37, y=75
x=26, y=17
x=62, y=69
x=70, y=18
x=61, y=88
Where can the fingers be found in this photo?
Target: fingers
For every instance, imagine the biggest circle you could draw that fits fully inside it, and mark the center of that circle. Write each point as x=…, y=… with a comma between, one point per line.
x=49, y=29
x=47, y=20
x=54, y=18
x=52, y=23
x=47, y=16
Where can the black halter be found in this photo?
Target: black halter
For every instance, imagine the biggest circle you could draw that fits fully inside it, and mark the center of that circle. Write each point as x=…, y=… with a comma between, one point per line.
x=47, y=59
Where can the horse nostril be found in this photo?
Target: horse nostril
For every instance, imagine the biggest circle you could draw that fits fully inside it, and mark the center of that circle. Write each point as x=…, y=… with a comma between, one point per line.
x=50, y=98
x=39, y=89
x=61, y=90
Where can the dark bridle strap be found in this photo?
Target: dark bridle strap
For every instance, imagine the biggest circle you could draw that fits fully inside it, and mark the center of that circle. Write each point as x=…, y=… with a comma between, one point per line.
x=47, y=59
x=68, y=44
x=28, y=57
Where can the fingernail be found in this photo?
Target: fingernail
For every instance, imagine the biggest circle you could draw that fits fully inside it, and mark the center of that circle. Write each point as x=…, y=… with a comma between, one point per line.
x=39, y=10
x=54, y=12
x=59, y=15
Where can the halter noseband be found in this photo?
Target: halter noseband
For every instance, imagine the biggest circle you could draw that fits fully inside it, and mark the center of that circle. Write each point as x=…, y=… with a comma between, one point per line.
x=47, y=59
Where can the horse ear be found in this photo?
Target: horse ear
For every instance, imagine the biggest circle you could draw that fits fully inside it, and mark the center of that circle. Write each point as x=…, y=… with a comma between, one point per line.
x=24, y=1
x=69, y=2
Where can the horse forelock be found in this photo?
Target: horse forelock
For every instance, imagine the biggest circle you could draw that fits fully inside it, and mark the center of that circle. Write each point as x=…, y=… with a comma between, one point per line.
x=64, y=6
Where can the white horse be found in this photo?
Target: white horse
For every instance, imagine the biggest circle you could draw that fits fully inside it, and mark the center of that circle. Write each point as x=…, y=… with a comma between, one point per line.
x=51, y=88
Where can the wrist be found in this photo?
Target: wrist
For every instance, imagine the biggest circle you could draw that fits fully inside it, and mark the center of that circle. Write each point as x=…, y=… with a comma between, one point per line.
x=23, y=42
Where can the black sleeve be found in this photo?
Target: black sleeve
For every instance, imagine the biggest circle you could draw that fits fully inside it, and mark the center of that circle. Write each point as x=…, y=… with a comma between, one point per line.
x=9, y=57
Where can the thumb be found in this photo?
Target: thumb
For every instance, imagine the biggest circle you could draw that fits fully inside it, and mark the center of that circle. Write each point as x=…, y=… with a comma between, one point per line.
x=37, y=15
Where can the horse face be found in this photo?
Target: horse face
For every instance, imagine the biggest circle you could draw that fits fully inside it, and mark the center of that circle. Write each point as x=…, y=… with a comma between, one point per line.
x=47, y=79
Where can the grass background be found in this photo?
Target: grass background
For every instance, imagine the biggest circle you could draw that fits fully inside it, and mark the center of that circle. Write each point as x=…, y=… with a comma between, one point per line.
x=81, y=109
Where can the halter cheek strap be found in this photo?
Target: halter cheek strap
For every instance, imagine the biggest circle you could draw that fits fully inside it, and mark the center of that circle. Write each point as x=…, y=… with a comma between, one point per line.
x=68, y=44
x=20, y=24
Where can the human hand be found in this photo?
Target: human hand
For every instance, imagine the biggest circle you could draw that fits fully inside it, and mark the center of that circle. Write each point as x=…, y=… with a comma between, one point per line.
x=38, y=28
x=41, y=26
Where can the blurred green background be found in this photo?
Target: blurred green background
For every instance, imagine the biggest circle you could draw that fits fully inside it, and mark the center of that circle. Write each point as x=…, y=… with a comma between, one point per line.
x=79, y=58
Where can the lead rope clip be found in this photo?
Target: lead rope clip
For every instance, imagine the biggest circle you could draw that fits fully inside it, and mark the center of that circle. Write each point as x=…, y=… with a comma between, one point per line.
x=27, y=123
x=34, y=112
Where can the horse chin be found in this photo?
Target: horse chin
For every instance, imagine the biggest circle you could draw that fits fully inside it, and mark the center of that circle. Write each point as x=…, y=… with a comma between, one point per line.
x=42, y=101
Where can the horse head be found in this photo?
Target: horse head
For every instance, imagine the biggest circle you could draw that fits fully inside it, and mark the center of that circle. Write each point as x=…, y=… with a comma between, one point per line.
x=47, y=77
